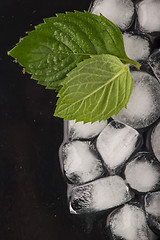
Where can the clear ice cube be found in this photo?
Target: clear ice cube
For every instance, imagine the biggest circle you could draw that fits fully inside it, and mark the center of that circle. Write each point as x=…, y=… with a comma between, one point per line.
x=154, y=62
x=148, y=15
x=141, y=49
x=155, y=141
x=143, y=172
x=116, y=143
x=143, y=108
x=80, y=162
x=129, y=223
x=79, y=130
x=119, y=12
x=101, y=194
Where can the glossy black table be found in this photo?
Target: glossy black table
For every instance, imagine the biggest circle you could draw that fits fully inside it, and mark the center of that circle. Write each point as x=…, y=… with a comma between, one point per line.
x=33, y=202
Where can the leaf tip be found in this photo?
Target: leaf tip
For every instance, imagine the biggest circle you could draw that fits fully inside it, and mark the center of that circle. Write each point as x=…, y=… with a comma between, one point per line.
x=139, y=66
x=8, y=53
x=57, y=14
x=11, y=52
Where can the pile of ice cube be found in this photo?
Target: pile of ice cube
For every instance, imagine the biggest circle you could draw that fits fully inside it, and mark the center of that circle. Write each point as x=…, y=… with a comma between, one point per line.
x=112, y=168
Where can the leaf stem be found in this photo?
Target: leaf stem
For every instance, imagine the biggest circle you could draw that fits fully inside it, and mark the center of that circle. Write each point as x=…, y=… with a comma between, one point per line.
x=131, y=61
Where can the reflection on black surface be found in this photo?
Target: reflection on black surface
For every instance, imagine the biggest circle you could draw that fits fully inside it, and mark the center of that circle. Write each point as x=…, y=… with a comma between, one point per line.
x=32, y=190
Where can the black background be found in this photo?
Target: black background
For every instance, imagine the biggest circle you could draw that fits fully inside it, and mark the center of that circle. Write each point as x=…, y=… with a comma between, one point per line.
x=33, y=202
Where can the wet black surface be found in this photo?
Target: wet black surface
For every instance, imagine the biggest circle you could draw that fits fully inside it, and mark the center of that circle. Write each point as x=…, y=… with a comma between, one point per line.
x=33, y=202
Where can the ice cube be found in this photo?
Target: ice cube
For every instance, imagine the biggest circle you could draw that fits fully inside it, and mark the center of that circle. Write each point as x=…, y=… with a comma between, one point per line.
x=101, y=194
x=143, y=173
x=129, y=223
x=148, y=15
x=152, y=208
x=80, y=163
x=155, y=141
x=119, y=12
x=154, y=62
x=116, y=143
x=136, y=46
x=152, y=204
x=79, y=130
x=144, y=105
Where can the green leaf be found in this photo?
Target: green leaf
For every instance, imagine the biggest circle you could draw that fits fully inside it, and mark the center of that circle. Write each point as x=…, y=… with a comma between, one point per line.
x=97, y=89
x=56, y=46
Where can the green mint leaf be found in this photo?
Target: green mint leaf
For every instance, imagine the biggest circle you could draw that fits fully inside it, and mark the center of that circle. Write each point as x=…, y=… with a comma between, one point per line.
x=56, y=46
x=96, y=89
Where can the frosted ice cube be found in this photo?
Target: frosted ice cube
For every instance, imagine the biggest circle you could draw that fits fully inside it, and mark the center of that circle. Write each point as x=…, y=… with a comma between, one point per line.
x=137, y=47
x=143, y=173
x=144, y=105
x=148, y=15
x=152, y=208
x=154, y=62
x=80, y=130
x=101, y=194
x=116, y=143
x=129, y=223
x=155, y=141
x=119, y=12
x=80, y=163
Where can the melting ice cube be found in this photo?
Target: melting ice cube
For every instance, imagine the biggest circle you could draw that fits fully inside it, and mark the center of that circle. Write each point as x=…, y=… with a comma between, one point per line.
x=144, y=105
x=129, y=223
x=148, y=15
x=137, y=47
x=101, y=194
x=143, y=173
x=80, y=130
x=154, y=62
x=80, y=162
x=119, y=12
x=116, y=143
